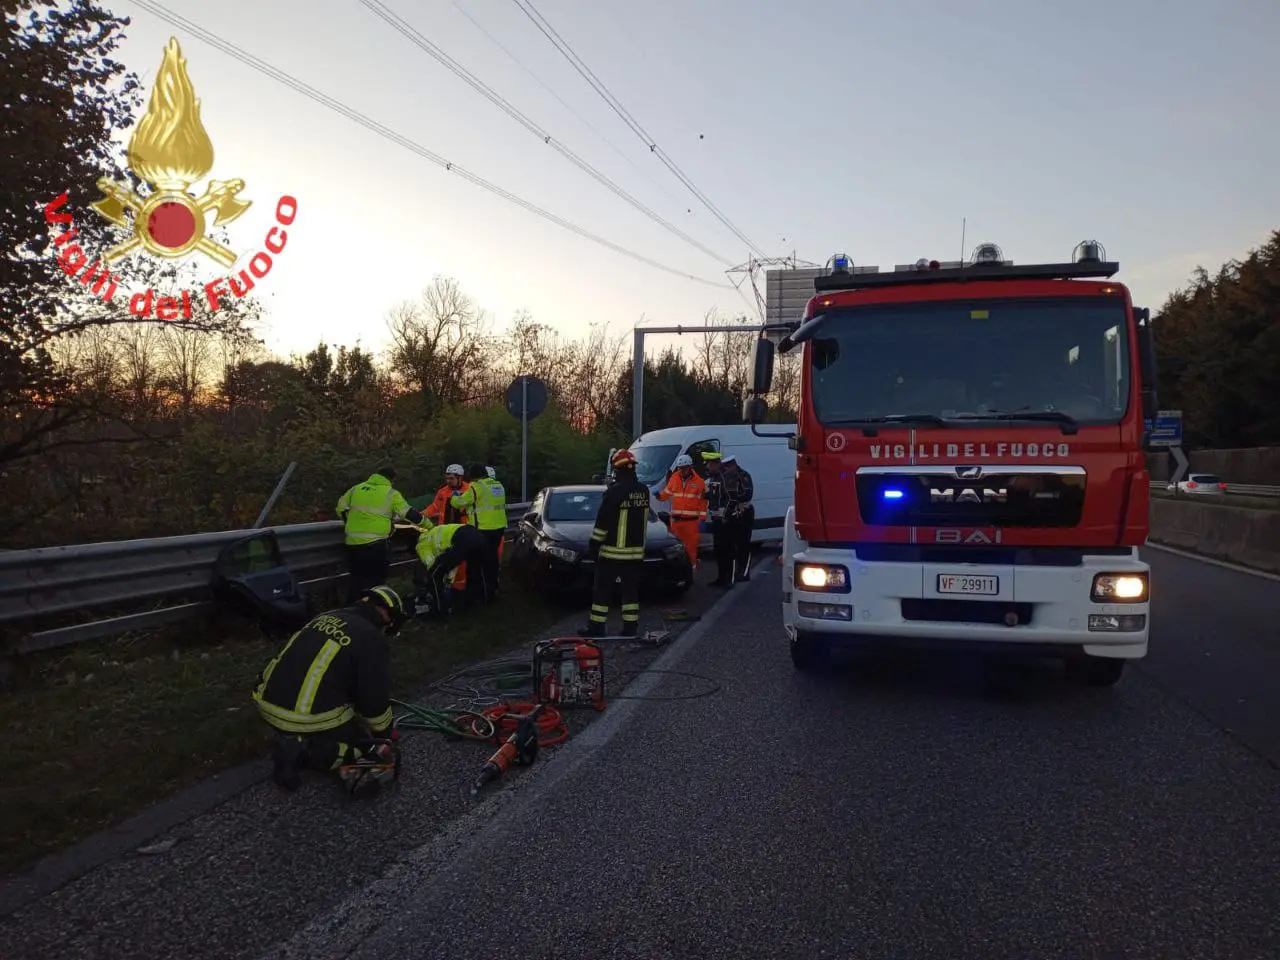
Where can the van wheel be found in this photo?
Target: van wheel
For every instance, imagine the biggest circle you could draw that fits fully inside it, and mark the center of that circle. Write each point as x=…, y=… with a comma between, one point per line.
x=809, y=653
x=1095, y=671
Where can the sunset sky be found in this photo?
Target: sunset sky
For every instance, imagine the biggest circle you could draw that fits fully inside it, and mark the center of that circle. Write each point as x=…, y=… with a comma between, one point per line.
x=870, y=128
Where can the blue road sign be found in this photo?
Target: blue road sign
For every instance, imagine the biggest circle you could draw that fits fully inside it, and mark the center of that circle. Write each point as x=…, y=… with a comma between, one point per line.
x=1167, y=431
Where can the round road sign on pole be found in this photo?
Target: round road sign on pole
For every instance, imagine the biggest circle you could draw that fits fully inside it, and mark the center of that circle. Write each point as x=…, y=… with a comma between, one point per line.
x=526, y=398
x=534, y=402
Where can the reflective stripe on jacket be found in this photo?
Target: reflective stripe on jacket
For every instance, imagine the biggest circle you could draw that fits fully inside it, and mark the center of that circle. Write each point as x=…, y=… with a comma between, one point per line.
x=486, y=502
x=688, y=497
x=335, y=669
x=371, y=509
x=431, y=543
x=622, y=522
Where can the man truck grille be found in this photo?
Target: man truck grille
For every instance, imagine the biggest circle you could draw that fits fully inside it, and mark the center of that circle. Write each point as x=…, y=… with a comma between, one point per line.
x=1004, y=496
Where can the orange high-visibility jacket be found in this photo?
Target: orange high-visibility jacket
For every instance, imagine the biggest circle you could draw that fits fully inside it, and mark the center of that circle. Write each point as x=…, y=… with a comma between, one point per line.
x=440, y=511
x=688, y=497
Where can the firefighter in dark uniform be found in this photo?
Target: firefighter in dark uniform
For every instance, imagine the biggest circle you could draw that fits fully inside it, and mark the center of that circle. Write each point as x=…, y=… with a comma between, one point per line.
x=328, y=693
x=617, y=547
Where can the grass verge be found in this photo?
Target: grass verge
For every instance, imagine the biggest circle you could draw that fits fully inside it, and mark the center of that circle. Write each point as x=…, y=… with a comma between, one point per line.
x=99, y=732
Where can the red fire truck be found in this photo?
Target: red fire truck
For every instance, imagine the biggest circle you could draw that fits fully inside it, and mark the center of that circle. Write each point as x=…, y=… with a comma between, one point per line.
x=970, y=466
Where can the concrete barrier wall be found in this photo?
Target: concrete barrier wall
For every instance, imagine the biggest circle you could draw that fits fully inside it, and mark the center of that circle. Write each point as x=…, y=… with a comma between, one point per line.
x=1257, y=465
x=1239, y=534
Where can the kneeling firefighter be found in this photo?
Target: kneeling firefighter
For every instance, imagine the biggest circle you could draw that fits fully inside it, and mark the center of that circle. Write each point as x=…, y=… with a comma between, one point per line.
x=443, y=549
x=617, y=547
x=328, y=692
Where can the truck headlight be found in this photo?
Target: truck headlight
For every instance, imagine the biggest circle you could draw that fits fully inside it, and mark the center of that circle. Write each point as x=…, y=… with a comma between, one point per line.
x=822, y=578
x=1120, y=588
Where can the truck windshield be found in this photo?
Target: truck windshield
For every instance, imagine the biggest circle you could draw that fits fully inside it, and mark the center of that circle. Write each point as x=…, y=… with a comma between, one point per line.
x=652, y=463
x=974, y=359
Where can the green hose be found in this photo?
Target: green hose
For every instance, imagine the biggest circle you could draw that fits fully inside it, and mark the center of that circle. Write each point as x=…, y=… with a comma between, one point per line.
x=474, y=726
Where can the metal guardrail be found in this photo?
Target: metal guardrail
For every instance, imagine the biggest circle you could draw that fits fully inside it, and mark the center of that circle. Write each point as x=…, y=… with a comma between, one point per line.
x=1238, y=489
x=171, y=575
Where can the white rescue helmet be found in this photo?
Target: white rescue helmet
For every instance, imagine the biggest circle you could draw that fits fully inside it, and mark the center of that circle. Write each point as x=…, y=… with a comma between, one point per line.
x=491, y=472
x=454, y=470
x=684, y=460
x=728, y=458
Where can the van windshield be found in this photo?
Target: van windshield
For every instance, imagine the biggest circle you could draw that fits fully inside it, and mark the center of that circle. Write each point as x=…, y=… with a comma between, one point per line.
x=652, y=463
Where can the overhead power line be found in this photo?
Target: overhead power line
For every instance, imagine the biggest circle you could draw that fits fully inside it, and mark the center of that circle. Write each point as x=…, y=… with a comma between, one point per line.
x=281, y=76
x=548, y=31
x=568, y=107
x=436, y=53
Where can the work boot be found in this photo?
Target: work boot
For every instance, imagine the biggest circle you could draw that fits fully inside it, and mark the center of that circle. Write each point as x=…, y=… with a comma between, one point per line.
x=288, y=754
x=378, y=763
x=629, y=629
x=592, y=630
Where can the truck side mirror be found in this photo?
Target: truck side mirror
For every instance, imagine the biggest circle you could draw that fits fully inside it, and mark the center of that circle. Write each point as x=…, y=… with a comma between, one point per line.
x=1147, y=363
x=754, y=409
x=762, y=367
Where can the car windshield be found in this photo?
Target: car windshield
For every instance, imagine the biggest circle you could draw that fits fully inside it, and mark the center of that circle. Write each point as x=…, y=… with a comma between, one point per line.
x=1065, y=357
x=578, y=506
x=652, y=463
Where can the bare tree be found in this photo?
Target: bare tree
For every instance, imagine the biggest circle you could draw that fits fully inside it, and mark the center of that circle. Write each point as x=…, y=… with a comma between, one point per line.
x=140, y=364
x=187, y=357
x=441, y=345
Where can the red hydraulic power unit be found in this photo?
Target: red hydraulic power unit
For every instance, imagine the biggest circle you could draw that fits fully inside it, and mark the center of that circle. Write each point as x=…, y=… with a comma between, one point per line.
x=569, y=672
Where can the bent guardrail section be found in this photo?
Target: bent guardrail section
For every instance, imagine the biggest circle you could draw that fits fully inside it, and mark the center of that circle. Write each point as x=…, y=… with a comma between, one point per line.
x=173, y=576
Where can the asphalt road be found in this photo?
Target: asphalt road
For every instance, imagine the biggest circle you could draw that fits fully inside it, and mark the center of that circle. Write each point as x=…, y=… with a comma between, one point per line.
x=911, y=809
x=231, y=881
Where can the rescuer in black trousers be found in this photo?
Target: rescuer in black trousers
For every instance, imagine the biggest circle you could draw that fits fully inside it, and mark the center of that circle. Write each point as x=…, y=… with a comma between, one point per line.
x=740, y=526
x=617, y=547
x=368, y=564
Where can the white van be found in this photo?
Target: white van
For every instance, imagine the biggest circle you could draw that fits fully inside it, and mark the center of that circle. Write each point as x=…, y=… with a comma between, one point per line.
x=771, y=463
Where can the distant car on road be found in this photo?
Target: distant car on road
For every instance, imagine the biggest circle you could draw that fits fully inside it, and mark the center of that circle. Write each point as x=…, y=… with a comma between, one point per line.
x=1199, y=485
x=549, y=549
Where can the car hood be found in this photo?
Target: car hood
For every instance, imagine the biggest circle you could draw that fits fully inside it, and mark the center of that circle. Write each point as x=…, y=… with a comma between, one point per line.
x=577, y=533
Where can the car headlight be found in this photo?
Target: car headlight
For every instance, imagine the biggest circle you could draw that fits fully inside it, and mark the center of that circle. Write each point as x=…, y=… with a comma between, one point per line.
x=822, y=578
x=554, y=549
x=674, y=552
x=1120, y=588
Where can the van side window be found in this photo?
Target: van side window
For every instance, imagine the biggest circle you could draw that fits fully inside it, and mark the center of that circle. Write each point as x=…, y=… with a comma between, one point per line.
x=696, y=450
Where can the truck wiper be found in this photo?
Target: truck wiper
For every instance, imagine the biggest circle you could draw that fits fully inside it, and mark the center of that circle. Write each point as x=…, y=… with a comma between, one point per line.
x=868, y=424
x=1069, y=423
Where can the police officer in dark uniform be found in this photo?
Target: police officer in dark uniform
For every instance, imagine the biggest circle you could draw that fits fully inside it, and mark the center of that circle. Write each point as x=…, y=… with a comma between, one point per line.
x=730, y=491
x=740, y=515
x=617, y=547
x=328, y=693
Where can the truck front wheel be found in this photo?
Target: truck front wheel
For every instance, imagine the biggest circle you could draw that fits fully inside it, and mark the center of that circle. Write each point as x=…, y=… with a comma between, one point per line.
x=1095, y=671
x=809, y=653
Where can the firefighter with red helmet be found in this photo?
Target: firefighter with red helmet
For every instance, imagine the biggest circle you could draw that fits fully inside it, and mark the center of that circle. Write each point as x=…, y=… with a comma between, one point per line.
x=617, y=548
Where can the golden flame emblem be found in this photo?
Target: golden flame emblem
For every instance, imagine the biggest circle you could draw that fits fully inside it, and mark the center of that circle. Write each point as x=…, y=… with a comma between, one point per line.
x=170, y=150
